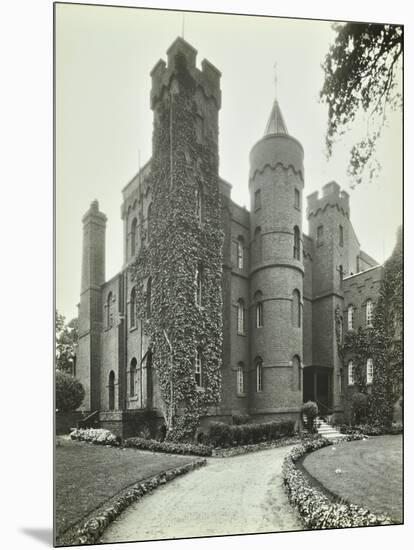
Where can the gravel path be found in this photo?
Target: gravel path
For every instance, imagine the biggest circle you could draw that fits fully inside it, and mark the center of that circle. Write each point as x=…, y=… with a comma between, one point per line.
x=241, y=494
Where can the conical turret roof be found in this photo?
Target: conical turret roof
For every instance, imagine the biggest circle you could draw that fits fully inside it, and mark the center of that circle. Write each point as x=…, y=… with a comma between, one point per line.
x=276, y=123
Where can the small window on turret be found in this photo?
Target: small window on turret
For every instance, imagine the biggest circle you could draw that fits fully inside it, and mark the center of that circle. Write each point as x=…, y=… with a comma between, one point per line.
x=319, y=236
x=199, y=128
x=297, y=199
x=257, y=200
x=341, y=236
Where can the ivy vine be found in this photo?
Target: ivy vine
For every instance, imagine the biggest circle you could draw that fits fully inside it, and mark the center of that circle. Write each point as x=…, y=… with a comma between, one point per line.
x=179, y=245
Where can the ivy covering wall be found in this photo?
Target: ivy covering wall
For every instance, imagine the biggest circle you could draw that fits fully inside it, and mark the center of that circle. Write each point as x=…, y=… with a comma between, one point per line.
x=382, y=342
x=179, y=245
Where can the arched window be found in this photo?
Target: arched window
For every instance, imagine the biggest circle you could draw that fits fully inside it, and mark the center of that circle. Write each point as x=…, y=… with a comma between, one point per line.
x=109, y=313
x=132, y=373
x=259, y=374
x=351, y=380
x=370, y=371
x=258, y=243
x=199, y=285
x=198, y=370
x=133, y=237
x=341, y=275
x=258, y=298
x=240, y=252
x=297, y=372
x=148, y=298
x=240, y=378
x=296, y=243
x=132, y=308
x=199, y=203
x=240, y=316
x=149, y=221
x=368, y=313
x=296, y=317
x=111, y=391
x=350, y=317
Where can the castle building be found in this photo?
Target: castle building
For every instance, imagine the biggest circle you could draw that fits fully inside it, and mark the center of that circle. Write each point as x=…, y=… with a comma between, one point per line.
x=281, y=298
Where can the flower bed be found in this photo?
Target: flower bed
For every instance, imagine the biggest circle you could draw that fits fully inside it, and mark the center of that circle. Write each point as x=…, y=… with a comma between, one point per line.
x=99, y=436
x=370, y=429
x=315, y=508
x=226, y=435
x=93, y=528
x=167, y=447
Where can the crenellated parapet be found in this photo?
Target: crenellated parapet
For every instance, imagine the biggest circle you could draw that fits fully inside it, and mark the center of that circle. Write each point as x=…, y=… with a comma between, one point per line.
x=276, y=149
x=207, y=79
x=332, y=196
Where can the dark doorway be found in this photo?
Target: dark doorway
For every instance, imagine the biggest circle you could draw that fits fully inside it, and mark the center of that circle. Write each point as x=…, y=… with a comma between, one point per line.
x=317, y=387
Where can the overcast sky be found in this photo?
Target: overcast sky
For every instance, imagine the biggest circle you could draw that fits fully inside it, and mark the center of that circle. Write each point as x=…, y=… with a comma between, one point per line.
x=103, y=59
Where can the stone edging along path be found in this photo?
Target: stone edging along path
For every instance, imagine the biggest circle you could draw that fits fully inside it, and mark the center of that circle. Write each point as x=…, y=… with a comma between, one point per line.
x=88, y=531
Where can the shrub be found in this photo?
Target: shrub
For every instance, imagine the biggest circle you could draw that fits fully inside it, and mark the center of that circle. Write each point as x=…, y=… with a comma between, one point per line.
x=310, y=410
x=224, y=435
x=240, y=419
x=69, y=392
x=359, y=406
x=168, y=446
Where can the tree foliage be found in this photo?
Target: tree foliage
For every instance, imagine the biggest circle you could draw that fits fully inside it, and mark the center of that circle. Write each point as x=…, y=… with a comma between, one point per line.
x=66, y=341
x=69, y=392
x=362, y=73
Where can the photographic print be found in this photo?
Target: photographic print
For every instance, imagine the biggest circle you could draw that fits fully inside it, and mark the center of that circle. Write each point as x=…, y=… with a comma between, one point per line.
x=229, y=274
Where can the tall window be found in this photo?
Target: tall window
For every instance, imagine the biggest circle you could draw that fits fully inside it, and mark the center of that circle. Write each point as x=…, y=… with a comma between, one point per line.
x=199, y=285
x=341, y=236
x=199, y=203
x=240, y=378
x=240, y=316
x=109, y=313
x=258, y=298
x=149, y=221
x=258, y=243
x=133, y=237
x=132, y=308
x=370, y=371
x=240, y=252
x=319, y=235
x=259, y=375
x=111, y=391
x=368, y=313
x=296, y=243
x=148, y=298
x=297, y=199
x=350, y=317
x=351, y=380
x=132, y=373
x=297, y=372
x=198, y=370
x=257, y=199
x=296, y=308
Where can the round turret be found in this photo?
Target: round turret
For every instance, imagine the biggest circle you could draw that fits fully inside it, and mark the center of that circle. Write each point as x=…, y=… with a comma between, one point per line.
x=276, y=269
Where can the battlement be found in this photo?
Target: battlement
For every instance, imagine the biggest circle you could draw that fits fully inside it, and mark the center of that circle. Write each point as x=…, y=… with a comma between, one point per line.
x=94, y=214
x=331, y=196
x=207, y=79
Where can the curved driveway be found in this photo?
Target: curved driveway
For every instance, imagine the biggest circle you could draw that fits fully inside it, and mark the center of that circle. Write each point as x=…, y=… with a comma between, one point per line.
x=241, y=494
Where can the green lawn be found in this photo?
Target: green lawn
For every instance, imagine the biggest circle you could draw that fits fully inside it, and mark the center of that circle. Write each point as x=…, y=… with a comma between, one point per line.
x=371, y=473
x=87, y=475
